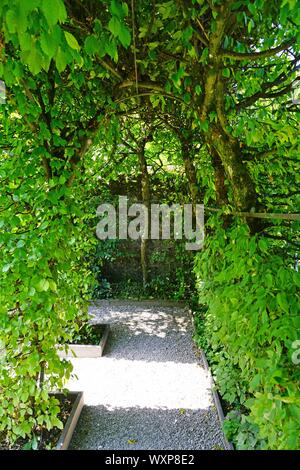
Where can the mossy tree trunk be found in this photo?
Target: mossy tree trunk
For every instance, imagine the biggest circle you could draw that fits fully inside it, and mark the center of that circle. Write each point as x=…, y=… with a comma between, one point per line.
x=190, y=170
x=146, y=199
x=225, y=149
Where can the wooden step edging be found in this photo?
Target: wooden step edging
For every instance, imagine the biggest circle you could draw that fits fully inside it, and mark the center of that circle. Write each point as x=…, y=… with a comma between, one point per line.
x=228, y=445
x=67, y=432
x=86, y=350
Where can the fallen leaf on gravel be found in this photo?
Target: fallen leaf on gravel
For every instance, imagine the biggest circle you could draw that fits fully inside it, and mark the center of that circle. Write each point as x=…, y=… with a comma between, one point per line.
x=132, y=441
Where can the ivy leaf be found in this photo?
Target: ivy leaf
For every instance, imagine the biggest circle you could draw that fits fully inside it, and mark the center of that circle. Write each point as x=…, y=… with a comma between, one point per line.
x=61, y=60
x=57, y=423
x=28, y=5
x=91, y=44
x=282, y=301
x=27, y=446
x=42, y=285
x=296, y=278
x=187, y=34
x=25, y=42
x=132, y=441
x=263, y=244
x=11, y=21
x=72, y=41
x=6, y=268
x=250, y=25
x=124, y=36
x=226, y=73
x=114, y=26
x=111, y=50
x=268, y=280
x=120, y=31
x=251, y=7
x=54, y=11
x=118, y=9
x=94, y=45
x=48, y=44
x=177, y=76
x=204, y=125
x=52, y=285
x=34, y=61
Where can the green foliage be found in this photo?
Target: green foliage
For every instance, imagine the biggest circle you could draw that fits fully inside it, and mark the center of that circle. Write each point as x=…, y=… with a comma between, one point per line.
x=240, y=430
x=225, y=122
x=44, y=280
x=86, y=334
x=41, y=292
x=253, y=318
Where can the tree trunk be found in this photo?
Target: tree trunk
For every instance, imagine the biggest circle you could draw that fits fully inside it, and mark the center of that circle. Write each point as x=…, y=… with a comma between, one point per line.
x=190, y=171
x=146, y=199
x=219, y=173
x=237, y=172
x=243, y=187
x=219, y=138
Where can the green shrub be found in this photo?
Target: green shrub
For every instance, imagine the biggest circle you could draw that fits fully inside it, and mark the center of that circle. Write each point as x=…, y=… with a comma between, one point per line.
x=253, y=298
x=44, y=287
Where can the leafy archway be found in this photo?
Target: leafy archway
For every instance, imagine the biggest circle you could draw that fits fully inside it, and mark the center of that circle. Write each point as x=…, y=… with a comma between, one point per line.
x=223, y=75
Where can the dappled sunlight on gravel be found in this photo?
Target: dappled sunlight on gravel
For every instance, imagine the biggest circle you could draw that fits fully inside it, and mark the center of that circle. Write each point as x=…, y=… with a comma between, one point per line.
x=125, y=383
x=150, y=385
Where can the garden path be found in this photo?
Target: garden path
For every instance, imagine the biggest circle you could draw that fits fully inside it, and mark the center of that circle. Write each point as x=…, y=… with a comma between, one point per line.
x=150, y=390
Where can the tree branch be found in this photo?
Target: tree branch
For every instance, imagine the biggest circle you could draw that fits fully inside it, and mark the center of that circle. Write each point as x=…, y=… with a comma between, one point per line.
x=108, y=67
x=257, y=55
x=290, y=194
x=213, y=66
x=148, y=85
x=259, y=215
x=278, y=237
x=220, y=93
x=262, y=94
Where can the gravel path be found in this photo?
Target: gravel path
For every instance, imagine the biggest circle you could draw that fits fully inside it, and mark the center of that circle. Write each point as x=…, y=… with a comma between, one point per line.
x=150, y=390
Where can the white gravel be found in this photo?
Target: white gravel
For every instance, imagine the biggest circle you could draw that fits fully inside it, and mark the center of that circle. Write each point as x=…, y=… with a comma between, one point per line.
x=150, y=389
